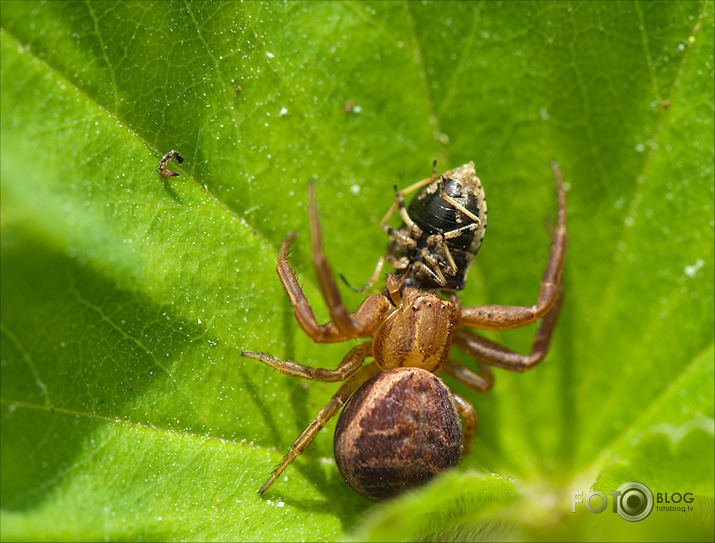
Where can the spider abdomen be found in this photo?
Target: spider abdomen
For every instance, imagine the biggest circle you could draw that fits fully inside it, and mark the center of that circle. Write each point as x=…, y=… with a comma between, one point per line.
x=398, y=431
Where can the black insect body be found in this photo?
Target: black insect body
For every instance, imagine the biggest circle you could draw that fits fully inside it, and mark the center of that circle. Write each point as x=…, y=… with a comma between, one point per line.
x=444, y=227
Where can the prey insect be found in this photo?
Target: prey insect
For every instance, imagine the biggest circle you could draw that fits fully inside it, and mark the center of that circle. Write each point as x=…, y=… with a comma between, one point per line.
x=410, y=334
x=444, y=226
x=163, y=170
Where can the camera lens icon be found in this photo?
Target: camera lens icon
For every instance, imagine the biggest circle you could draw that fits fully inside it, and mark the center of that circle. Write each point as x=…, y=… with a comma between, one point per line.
x=634, y=501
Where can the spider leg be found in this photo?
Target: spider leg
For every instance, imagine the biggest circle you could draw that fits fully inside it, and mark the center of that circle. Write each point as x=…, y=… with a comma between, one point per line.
x=467, y=411
x=503, y=317
x=343, y=325
x=338, y=313
x=323, y=416
x=492, y=353
x=480, y=383
x=350, y=364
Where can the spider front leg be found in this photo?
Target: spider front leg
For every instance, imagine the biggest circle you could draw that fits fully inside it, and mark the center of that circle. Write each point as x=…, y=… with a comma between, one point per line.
x=324, y=415
x=490, y=352
x=343, y=326
x=350, y=364
x=503, y=317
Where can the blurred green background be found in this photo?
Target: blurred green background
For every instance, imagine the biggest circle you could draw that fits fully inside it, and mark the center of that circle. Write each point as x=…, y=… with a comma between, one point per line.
x=127, y=411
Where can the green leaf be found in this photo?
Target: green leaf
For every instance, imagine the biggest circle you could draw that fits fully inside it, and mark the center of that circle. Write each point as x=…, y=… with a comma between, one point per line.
x=127, y=411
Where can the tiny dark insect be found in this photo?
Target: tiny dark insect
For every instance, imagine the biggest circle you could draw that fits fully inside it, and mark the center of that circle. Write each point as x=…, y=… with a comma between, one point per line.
x=400, y=426
x=163, y=170
x=444, y=226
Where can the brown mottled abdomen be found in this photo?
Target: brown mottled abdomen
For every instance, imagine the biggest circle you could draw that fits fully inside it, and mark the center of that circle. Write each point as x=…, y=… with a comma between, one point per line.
x=398, y=431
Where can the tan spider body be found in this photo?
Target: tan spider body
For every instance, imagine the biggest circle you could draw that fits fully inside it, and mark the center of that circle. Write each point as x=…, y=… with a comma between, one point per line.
x=409, y=328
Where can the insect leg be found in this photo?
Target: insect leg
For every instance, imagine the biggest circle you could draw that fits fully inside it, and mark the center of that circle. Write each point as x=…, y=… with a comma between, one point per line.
x=410, y=189
x=456, y=204
x=439, y=242
x=423, y=269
